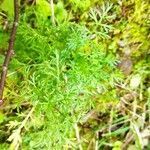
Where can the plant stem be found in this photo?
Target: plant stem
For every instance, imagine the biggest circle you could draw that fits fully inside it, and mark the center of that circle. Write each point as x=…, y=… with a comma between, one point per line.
x=10, y=48
x=52, y=11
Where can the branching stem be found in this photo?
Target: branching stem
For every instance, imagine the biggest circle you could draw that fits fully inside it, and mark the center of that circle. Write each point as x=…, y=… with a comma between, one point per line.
x=10, y=50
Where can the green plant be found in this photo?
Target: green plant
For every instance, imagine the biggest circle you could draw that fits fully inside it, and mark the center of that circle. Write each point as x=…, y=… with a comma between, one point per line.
x=100, y=18
x=61, y=70
x=63, y=88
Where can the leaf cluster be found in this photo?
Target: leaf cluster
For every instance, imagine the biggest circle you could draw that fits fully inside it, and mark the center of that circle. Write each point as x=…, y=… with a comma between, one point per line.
x=63, y=70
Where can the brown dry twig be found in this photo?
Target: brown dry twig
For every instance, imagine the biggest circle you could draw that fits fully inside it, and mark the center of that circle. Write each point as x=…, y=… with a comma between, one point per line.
x=10, y=50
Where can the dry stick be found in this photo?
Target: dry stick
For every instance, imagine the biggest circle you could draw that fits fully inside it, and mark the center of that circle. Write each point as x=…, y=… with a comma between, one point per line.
x=96, y=141
x=3, y=15
x=78, y=136
x=10, y=49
